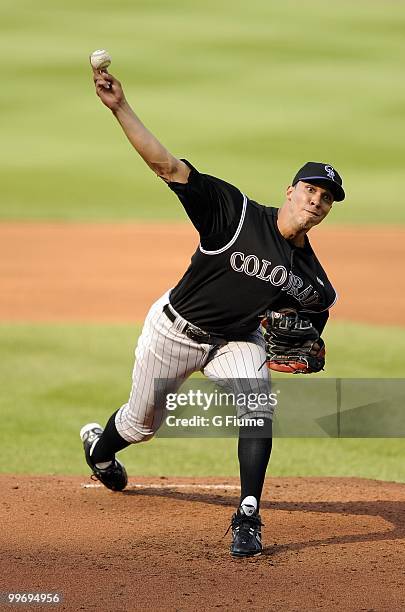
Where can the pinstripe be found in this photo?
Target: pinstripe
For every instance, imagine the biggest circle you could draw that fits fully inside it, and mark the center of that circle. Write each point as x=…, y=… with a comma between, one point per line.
x=241, y=362
x=143, y=371
x=167, y=355
x=213, y=369
x=187, y=357
x=236, y=368
x=182, y=358
x=228, y=363
x=246, y=372
x=133, y=409
x=197, y=360
x=165, y=374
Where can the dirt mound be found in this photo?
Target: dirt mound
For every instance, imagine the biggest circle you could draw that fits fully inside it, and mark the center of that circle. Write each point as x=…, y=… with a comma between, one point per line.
x=331, y=544
x=113, y=272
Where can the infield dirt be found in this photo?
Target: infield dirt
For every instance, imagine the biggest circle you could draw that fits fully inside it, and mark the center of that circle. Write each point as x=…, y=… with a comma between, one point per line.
x=330, y=544
x=114, y=272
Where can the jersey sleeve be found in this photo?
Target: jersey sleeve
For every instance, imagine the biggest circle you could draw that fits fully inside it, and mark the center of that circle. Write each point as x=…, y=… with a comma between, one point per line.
x=213, y=205
x=318, y=320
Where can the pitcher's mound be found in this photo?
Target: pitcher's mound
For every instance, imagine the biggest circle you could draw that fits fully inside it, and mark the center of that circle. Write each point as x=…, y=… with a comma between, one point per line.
x=330, y=544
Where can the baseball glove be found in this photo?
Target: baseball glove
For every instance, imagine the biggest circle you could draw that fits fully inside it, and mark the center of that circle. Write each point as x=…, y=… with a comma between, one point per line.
x=293, y=344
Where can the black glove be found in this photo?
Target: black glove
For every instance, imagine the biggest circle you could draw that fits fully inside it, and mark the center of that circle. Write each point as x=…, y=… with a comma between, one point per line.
x=293, y=344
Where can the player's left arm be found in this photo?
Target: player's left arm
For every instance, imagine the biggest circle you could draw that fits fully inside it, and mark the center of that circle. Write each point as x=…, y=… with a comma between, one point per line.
x=318, y=319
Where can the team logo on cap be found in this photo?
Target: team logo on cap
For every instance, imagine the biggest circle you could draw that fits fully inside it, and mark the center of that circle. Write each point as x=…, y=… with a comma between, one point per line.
x=330, y=172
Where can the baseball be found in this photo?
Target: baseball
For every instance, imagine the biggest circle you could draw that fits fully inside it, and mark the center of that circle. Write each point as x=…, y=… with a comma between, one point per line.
x=100, y=59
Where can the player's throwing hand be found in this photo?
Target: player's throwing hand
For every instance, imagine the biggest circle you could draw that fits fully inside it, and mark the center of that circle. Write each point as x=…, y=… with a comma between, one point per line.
x=108, y=89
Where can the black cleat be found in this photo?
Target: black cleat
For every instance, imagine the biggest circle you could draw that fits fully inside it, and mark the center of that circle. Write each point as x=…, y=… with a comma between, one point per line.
x=246, y=532
x=113, y=477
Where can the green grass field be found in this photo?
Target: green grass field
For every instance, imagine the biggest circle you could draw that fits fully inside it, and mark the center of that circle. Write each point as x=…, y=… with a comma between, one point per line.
x=246, y=91
x=55, y=378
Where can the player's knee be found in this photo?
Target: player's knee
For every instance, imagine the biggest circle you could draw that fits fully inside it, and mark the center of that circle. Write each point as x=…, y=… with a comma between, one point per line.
x=147, y=436
x=133, y=428
x=136, y=436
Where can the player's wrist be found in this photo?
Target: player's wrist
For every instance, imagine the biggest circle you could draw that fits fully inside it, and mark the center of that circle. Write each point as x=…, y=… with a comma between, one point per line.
x=121, y=108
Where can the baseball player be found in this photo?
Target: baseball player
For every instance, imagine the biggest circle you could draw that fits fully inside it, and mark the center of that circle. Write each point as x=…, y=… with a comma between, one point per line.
x=251, y=259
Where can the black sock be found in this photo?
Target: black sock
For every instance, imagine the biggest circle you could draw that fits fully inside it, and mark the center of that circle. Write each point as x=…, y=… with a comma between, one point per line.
x=254, y=454
x=110, y=442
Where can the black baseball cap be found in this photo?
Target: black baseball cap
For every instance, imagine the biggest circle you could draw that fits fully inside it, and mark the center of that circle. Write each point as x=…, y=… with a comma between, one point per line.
x=323, y=173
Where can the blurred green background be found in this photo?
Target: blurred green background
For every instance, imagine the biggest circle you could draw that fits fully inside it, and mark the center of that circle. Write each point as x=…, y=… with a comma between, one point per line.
x=59, y=377
x=246, y=91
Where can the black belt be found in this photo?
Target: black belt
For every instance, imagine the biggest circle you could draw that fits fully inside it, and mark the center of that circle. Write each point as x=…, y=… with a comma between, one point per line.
x=193, y=332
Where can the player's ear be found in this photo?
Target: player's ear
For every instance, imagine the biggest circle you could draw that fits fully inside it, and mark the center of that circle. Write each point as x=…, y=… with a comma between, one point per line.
x=289, y=191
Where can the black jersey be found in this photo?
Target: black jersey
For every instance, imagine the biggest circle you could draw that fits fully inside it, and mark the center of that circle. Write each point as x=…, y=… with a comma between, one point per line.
x=243, y=265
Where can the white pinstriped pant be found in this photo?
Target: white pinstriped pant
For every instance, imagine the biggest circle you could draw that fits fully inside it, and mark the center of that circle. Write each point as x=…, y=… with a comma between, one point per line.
x=164, y=353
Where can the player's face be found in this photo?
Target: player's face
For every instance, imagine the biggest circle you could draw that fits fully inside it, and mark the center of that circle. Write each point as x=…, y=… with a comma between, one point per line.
x=309, y=204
